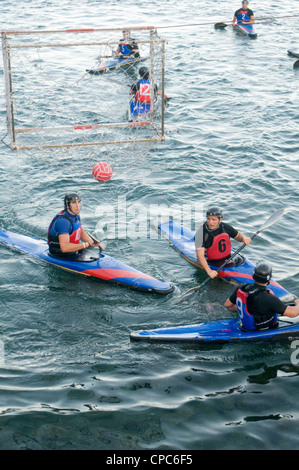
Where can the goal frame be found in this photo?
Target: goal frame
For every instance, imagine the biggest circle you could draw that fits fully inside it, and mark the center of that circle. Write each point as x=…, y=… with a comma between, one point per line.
x=13, y=131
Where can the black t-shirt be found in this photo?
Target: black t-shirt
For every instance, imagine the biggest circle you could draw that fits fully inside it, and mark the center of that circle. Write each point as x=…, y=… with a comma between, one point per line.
x=204, y=237
x=260, y=303
x=248, y=11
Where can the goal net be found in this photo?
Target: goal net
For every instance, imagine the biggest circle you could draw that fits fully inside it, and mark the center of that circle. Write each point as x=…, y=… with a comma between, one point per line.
x=72, y=88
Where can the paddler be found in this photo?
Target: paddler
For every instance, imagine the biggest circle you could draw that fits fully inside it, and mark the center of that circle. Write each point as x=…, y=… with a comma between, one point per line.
x=244, y=15
x=142, y=90
x=66, y=235
x=257, y=306
x=212, y=241
x=127, y=48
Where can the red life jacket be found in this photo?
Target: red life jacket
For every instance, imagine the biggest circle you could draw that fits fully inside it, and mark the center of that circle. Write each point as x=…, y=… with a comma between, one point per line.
x=143, y=95
x=220, y=248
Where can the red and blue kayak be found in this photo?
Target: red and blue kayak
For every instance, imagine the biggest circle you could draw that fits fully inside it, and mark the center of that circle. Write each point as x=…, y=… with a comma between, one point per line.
x=101, y=266
x=219, y=331
x=246, y=30
x=111, y=63
x=182, y=239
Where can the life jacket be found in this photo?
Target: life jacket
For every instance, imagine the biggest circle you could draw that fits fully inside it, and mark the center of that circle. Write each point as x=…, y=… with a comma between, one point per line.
x=220, y=248
x=243, y=16
x=126, y=49
x=53, y=236
x=247, y=319
x=143, y=95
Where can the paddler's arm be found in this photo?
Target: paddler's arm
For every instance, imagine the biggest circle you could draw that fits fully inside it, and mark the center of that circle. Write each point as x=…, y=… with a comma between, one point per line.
x=230, y=306
x=200, y=253
x=67, y=247
x=230, y=303
x=292, y=311
x=242, y=239
x=86, y=238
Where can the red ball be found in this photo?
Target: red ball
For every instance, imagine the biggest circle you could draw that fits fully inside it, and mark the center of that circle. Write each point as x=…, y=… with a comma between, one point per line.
x=102, y=171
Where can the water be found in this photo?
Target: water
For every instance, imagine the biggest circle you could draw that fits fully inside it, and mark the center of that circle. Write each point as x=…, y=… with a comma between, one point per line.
x=71, y=378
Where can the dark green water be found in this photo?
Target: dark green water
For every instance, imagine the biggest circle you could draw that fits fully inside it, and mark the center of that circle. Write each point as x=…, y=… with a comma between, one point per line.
x=71, y=378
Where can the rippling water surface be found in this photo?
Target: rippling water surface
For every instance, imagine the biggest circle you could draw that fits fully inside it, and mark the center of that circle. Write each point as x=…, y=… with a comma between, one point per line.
x=71, y=378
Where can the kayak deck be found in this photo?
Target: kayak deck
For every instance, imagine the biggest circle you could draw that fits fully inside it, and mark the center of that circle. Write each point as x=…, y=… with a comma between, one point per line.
x=103, y=267
x=112, y=63
x=182, y=239
x=222, y=331
x=246, y=30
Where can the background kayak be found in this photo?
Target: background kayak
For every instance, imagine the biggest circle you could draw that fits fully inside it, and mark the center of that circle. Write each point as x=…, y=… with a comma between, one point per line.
x=105, y=267
x=293, y=53
x=111, y=63
x=182, y=240
x=220, y=331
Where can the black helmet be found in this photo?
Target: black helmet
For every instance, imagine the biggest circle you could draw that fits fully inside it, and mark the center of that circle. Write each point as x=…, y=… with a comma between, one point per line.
x=214, y=212
x=143, y=72
x=70, y=197
x=262, y=273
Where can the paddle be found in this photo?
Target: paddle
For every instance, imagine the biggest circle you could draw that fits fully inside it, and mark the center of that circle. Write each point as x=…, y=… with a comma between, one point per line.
x=220, y=25
x=296, y=64
x=96, y=241
x=270, y=221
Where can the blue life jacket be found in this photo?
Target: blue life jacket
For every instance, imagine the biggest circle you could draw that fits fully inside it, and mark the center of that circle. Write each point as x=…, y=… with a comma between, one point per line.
x=125, y=49
x=74, y=231
x=243, y=16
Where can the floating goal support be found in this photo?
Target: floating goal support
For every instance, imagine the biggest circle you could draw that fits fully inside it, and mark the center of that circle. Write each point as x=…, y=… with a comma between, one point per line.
x=66, y=93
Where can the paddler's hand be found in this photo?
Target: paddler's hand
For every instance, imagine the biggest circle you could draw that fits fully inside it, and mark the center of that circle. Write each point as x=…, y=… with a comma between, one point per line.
x=246, y=240
x=102, y=246
x=212, y=273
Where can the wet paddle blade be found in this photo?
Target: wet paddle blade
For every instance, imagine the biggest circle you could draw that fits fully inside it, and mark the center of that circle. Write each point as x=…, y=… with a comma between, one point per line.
x=272, y=219
x=220, y=25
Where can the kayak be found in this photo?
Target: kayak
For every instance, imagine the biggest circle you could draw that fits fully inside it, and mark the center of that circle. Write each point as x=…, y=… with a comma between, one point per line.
x=182, y=239
x=294, y=53
x=246, y=30
x=221, y=331
x=112, y=63
x=101, y=266
x=140, y=111
x=137, y=110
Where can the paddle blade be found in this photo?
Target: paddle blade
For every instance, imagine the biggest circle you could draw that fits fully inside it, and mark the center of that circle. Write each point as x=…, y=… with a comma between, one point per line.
x=272, y=219
x=220, y=25
x=296, y=64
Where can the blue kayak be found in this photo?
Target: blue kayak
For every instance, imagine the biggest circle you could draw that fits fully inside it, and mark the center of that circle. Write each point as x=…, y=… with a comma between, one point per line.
x=182, y=239
x=111, y=63
x=246, y=30
x=140, y=111
x=222, y=331
x=100, y=266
